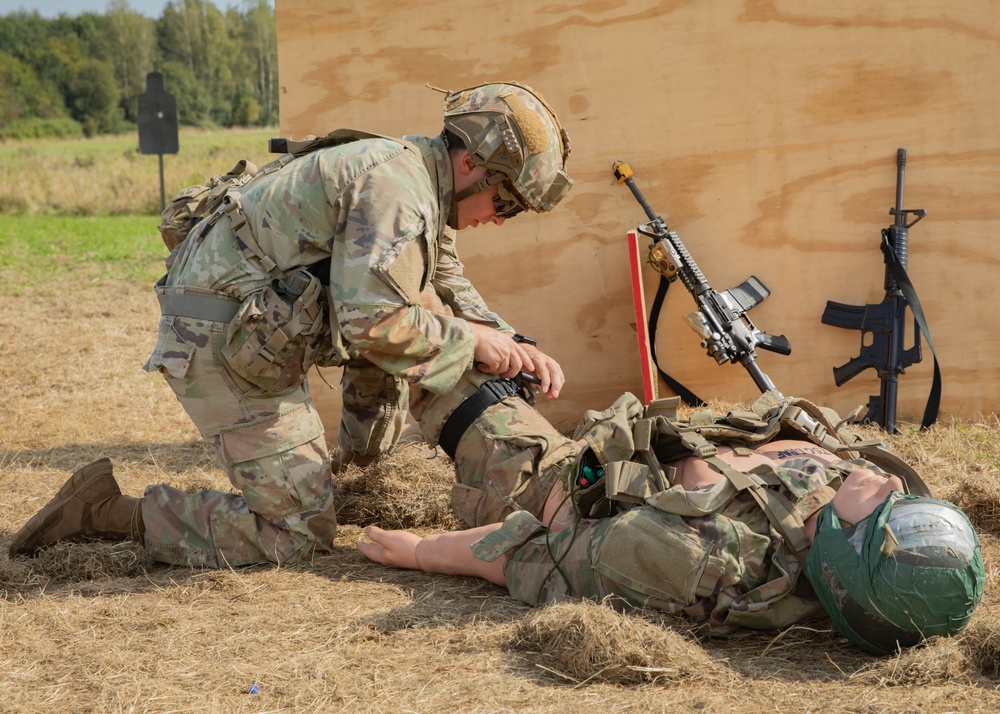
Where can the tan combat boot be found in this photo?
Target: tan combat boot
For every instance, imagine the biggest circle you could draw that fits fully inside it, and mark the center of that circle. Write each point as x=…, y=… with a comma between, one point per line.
x=90, y=506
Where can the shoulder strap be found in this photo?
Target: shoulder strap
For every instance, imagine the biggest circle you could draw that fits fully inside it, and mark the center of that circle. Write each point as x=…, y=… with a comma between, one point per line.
x=824, y=427
x=245, y=239
x=233, y=208
x=292, y=149
x=780, y=512
x=876, y=452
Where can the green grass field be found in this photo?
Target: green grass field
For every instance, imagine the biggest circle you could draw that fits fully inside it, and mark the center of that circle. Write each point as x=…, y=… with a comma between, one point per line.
x=35, y=250
x=87, y=209
x=108, y=176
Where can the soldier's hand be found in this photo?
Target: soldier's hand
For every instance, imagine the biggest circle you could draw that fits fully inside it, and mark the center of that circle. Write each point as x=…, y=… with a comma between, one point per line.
x=547, y=370
x=497, y=353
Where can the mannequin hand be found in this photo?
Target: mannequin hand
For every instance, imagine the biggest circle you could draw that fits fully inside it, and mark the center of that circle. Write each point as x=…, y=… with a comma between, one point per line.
x=397, y=549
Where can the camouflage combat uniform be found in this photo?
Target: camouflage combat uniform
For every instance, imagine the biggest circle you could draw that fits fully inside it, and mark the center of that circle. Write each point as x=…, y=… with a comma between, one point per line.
x=369, y=215
x=508, y=459
x=711, y=555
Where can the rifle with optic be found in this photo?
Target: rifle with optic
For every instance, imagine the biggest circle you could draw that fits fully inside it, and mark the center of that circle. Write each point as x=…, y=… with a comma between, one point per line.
x=721, y=320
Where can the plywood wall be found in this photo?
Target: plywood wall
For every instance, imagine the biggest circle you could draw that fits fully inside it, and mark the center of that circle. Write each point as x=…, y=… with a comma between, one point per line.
x=765, y=133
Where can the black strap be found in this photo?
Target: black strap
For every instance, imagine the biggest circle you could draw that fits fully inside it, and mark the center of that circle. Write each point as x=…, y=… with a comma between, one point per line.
x=689, y=397
x=906, y=287
x=488, y=394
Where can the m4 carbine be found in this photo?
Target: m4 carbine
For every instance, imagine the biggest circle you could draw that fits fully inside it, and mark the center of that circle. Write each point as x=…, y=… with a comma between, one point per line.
x=883, y=326
x=721, y=320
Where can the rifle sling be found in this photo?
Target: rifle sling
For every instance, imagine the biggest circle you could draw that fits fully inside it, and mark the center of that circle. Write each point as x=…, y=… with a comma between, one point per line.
x=906, y=287
x=689, y=397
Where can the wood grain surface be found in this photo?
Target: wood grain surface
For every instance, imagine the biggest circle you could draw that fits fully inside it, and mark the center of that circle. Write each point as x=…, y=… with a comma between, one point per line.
x=763, y=131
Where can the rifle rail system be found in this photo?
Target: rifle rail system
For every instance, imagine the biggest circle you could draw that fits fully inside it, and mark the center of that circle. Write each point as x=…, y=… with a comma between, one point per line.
x=883, y=326
x=727, y=333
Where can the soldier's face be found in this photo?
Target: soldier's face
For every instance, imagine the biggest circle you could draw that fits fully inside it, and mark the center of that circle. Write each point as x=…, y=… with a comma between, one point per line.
x=479, y=208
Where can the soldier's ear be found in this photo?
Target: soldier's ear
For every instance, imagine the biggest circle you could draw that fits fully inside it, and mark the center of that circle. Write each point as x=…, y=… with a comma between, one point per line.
x=466, y=162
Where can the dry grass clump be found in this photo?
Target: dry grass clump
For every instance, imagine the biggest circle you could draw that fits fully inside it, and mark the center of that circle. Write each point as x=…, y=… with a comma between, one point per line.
x=940, y=660
x=74, y=563
x=408, y=489
x=981, y=644
x=591, y=642
x=979, y=496
x=92, y=561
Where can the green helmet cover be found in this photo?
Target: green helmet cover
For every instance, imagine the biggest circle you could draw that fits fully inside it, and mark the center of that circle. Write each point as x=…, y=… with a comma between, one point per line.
x=911, y=570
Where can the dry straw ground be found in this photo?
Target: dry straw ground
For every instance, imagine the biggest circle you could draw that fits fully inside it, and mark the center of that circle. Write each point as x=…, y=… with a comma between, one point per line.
x=97, y=627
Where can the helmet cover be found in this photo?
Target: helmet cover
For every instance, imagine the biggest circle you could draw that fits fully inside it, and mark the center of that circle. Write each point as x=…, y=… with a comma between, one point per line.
x=911, y=570
x=510, y=129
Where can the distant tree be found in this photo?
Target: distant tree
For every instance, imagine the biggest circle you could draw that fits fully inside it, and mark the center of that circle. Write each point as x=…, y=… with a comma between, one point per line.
x=130, y=47
x=87, y=84
x=54, y=59
x=22, y=31
x=92, y=94
x=261, y=40
x=222, y=68
x=246, y=108
x=90, y=28
x=193, y=33
x=192, y=97
x=24, y=95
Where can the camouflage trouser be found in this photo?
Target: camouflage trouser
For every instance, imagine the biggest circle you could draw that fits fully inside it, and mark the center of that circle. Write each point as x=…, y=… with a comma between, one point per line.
x=719, y=571
x=509, y=458
x=373, y=413
x=271, y=446
x=375, y=403
x=645, y=557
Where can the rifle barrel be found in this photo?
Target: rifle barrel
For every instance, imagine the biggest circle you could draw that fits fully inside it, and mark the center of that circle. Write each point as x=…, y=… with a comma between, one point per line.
x=623, y=172
x=900, y=165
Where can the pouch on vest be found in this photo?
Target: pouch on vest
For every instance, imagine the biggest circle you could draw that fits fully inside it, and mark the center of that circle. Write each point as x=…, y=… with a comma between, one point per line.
x=278, y=333
x=195, y=203
x=618, y=486
x=589, y=494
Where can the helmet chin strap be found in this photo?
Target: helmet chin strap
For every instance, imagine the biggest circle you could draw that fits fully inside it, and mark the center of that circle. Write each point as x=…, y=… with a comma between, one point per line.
x=483, y=184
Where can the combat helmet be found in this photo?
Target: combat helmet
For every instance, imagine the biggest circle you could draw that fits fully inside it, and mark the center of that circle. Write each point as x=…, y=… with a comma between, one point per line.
x=911, y=570
x=512, y=131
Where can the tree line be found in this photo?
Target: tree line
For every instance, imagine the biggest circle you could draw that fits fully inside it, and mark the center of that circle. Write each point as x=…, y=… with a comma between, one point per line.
x=81, y=75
